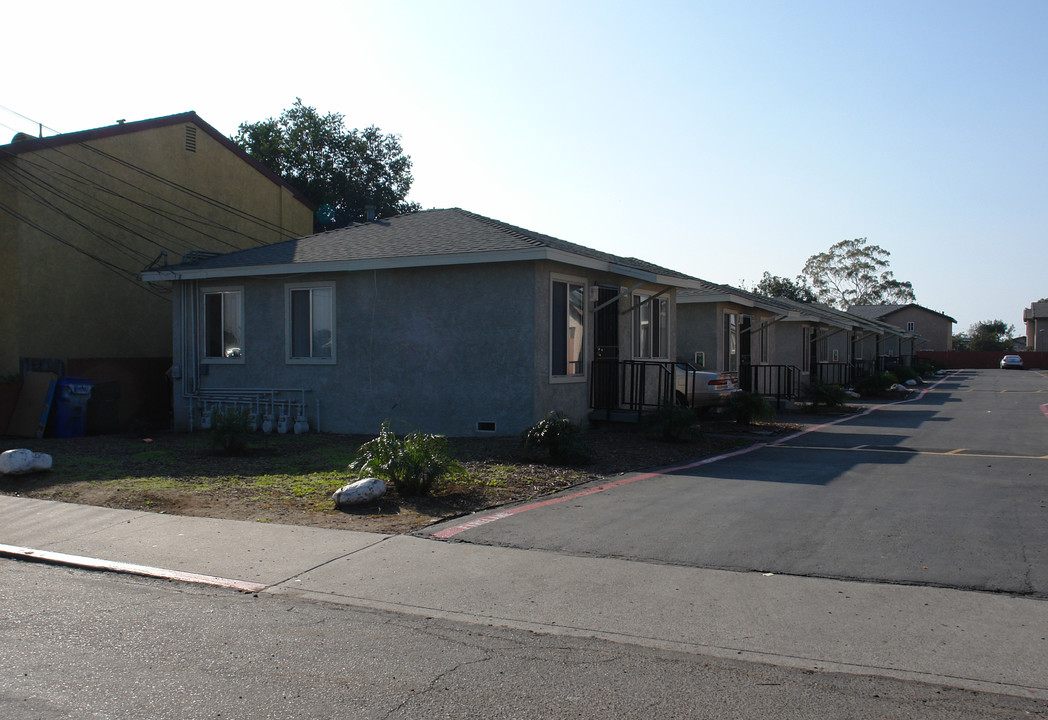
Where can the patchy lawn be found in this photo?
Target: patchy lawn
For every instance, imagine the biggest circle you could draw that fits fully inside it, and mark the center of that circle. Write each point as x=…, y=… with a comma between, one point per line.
x=290, y=478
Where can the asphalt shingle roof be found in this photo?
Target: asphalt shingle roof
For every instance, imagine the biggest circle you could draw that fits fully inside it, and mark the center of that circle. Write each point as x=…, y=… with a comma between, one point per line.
x=876, y=312
x=434, y=233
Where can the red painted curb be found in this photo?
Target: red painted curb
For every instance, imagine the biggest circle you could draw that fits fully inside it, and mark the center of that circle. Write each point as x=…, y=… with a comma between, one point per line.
x=56, y=558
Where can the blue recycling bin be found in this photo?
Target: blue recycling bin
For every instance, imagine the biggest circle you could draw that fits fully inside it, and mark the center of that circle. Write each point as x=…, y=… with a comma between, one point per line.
x=69, y=408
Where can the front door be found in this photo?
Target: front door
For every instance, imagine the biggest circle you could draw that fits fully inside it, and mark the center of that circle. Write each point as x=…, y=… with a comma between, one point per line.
x=745, y=354
x=606, y=349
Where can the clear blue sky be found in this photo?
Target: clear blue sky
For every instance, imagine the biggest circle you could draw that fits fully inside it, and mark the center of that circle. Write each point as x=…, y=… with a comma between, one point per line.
x=721, y=139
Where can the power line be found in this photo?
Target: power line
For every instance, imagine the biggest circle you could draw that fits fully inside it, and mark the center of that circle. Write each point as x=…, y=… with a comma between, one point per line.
x=120, y=272
x=264, y=223
x=197, y=217
x=74, y=185
x=24, y=187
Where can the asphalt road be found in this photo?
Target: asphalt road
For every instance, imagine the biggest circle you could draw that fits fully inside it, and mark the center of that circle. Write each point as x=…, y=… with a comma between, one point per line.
x=949, y=489
x=78, y=644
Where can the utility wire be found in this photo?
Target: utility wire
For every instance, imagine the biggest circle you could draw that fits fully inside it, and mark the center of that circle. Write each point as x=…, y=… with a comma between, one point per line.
x=35, y=194
x=120, y=272
x=39, y=124
x=264, y=223
x=114, y=214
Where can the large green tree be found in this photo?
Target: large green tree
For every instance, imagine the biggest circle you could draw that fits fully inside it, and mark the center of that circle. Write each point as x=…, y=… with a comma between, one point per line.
x=775, y=286
x=853, y=272
x=991, y=335
x=343, y=171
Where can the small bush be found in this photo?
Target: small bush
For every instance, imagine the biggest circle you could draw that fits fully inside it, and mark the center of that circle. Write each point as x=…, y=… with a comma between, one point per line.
x=833, y=396
x=747, y=408
x=412, y=464
x=905, y=372
x=876, y=384
x=558, y=435
x=672, y=422
x=230, y=430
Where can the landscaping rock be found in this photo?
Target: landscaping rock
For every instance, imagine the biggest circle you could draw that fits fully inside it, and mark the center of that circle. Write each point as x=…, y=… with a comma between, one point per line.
x=20, y=460
x=360, y=492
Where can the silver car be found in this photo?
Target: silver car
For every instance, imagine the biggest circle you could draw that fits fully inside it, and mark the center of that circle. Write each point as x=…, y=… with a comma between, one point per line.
x=702, y=389
x=1011, y=362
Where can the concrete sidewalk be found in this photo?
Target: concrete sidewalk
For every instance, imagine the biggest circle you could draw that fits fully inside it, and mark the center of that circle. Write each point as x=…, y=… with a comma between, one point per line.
x=978, y=641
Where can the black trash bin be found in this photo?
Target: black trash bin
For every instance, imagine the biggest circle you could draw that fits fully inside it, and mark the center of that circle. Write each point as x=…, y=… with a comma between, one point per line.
x=69, y=409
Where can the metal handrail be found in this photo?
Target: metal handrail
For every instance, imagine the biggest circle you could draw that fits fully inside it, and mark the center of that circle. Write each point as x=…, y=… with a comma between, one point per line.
x=640, y=384
x=836, y=373
x=781, y=382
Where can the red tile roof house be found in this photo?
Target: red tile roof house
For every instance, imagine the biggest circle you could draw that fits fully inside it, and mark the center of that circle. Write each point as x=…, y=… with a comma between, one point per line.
x=442, y=321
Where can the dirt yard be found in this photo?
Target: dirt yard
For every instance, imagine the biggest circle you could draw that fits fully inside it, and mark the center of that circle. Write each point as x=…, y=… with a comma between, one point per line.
x=290, y=479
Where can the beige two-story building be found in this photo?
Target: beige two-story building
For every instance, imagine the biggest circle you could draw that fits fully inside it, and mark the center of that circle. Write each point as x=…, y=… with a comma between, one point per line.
x=83, y=214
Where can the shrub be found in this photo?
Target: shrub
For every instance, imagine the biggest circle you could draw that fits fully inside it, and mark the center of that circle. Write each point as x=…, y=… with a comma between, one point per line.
x=927, y=368
x=876, y=384
x=747, y=408
x=412, y=464
x=230, y=430
x=672, y=422
x=904, y=373
x=558, y=435
x=833, y=396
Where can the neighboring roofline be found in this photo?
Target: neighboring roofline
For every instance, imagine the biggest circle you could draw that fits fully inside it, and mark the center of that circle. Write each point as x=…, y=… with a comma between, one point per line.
x=901, y=307
x=414, y=261
x=81, y=136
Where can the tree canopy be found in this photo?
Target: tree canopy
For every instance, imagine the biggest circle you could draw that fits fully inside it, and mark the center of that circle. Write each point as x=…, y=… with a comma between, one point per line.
x=342, y=171
x=775, y=286
x=990, y=335
x=852, y=272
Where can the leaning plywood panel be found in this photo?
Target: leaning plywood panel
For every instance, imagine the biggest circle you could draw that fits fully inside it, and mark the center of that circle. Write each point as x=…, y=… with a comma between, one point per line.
x=34, y=404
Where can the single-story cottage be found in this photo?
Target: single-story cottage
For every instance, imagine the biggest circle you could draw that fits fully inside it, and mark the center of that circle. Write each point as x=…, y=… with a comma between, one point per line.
x=441, y=321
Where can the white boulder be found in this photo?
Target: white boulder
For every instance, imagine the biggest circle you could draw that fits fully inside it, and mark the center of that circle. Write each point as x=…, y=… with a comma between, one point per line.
x=20, y=460
x=359, y=492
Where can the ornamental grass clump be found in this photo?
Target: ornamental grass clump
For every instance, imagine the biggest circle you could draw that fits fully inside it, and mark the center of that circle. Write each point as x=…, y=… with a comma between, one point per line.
x=412, y=464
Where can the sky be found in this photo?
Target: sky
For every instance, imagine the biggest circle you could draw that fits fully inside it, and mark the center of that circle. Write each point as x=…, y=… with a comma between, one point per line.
x=720, y=139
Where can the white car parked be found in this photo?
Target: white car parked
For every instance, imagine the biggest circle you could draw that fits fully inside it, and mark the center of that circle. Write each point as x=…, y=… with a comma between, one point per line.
x=702, y=389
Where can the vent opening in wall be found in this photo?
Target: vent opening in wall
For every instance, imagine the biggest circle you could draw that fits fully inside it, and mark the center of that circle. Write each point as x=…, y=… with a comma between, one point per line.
x=486, y=426
x=191, y=138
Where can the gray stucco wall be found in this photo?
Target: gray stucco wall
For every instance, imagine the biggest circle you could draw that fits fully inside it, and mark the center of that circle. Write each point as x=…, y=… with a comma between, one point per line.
x=432, y=349
x=435, y=349
x=700, y=328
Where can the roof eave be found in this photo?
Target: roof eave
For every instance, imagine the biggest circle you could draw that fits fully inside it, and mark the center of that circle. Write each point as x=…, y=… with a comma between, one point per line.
x=471, y=258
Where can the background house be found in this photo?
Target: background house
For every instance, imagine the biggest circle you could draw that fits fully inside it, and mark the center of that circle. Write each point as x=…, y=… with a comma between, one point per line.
x=778, y=347
x=1036, y=319
x=82, y=214
x=935, y=328
x=442, y=321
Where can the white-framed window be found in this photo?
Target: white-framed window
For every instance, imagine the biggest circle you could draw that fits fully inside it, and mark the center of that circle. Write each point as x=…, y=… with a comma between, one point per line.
x=910, y=327
x=567, y=325
x=310, y=324
x=222, y=324
x=651, y=326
